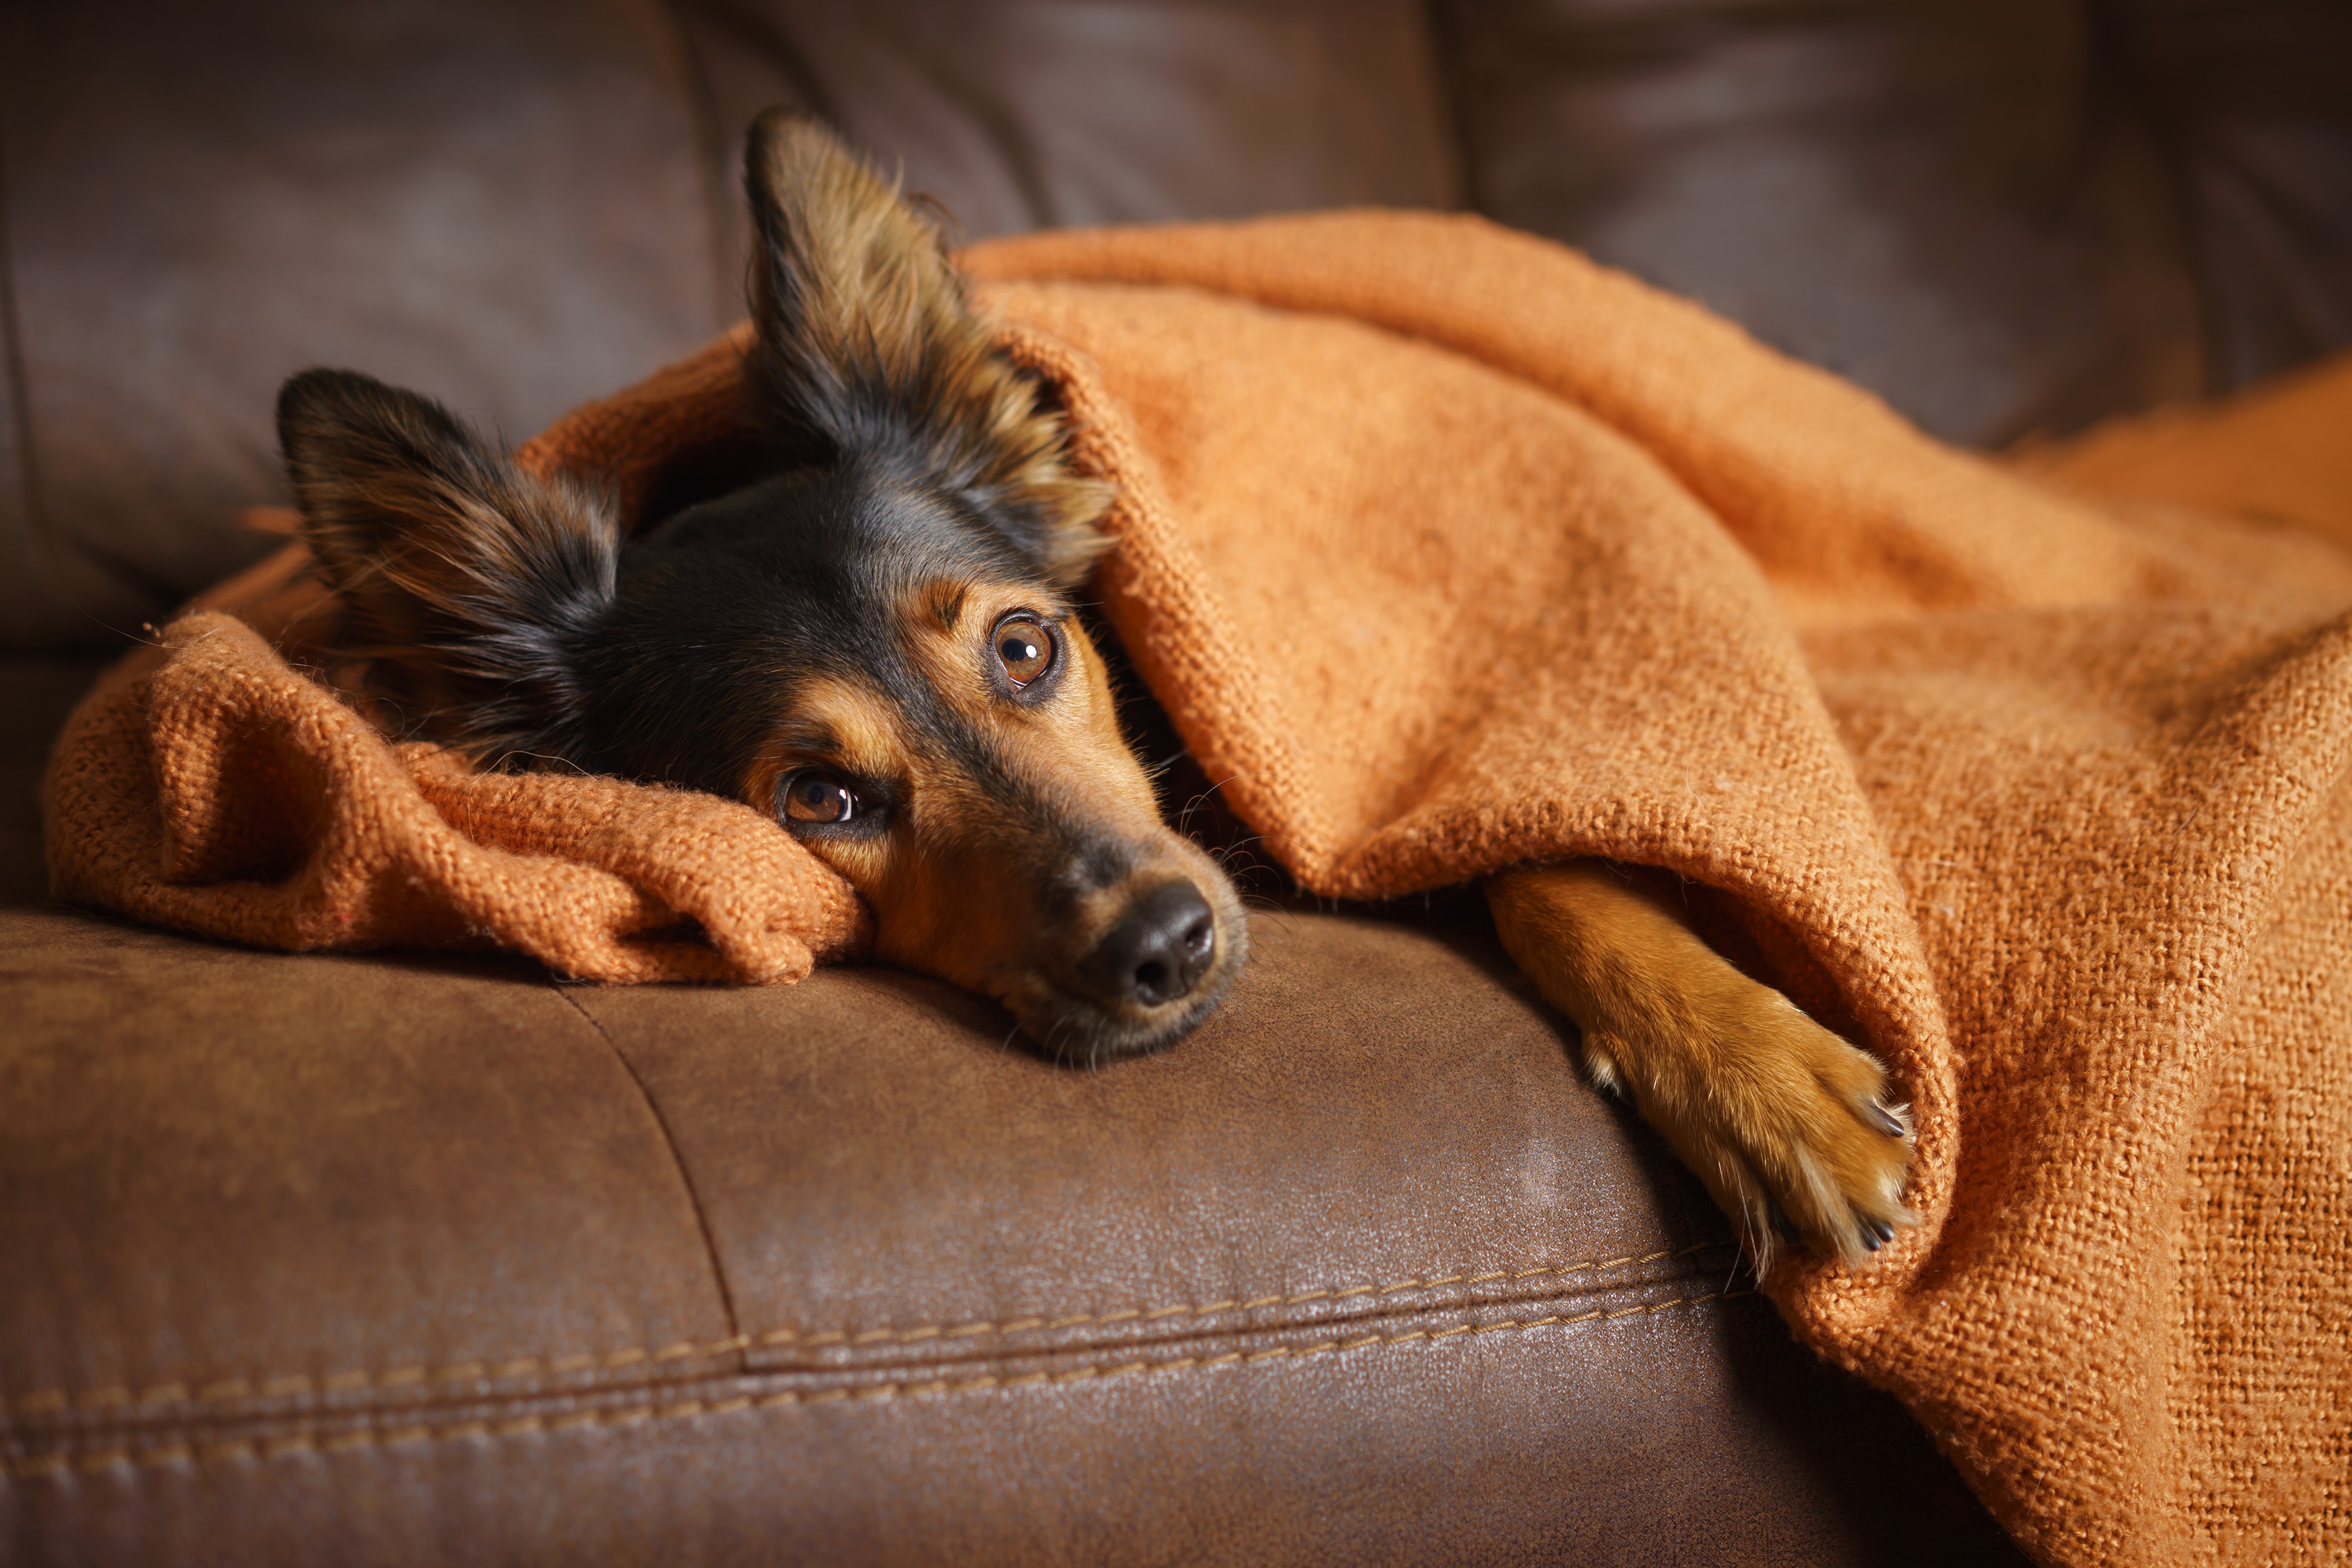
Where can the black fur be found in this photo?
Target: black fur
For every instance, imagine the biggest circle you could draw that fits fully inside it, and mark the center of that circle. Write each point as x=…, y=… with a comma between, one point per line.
x=903, y=467
x=868, y=350
x=472, y=589
x=504, y=615
x=725, y=606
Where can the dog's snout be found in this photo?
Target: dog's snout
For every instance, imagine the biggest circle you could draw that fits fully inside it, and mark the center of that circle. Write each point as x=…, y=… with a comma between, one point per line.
x=1158, y=950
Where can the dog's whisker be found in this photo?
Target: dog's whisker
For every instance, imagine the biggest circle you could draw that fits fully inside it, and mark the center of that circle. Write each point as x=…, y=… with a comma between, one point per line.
x=1184, y=818
x=565, y=762
x=501, y=614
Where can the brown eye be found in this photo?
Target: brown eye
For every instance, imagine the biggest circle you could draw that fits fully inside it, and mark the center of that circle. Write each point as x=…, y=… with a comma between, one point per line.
x=1026, y=649
x=819, y=798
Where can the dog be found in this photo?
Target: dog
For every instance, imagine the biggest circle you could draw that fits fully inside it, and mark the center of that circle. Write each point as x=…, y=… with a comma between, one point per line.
x=875, y=639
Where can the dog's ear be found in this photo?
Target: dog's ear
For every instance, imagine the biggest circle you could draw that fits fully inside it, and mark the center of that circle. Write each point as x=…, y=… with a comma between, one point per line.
x=468, y=586
x=867, y=346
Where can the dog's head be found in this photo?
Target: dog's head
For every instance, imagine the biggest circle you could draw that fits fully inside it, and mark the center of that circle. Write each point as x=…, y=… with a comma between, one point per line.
x=875, y=643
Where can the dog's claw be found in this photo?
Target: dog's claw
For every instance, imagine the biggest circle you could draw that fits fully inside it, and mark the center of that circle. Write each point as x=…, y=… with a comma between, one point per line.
x=1790, y=1126
x=1812, y=1155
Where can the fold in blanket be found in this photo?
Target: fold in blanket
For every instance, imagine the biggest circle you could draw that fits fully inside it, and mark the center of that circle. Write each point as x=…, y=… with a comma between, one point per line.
x=1452, y=550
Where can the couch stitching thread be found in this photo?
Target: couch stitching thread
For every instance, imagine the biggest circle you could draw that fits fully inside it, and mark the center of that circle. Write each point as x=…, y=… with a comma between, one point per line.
x=54, y=1401
x=635, y=1415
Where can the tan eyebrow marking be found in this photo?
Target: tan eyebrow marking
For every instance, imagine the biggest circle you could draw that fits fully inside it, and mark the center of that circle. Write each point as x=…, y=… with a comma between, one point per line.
x=836, y=723
x=947, y=607
x=810, y=737
x=865, y=728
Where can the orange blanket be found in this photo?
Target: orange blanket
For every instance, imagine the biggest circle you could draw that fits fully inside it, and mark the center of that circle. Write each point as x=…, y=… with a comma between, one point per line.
x=1453, y=549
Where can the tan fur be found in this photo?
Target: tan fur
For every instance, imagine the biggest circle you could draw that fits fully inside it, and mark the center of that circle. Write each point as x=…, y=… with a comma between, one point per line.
x=958, y=897
x=1764, y=1103
x=880, y=313
x=1775, y=1113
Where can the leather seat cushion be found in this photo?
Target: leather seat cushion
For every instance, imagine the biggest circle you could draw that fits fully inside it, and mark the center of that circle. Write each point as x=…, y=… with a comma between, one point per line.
x=393, y=1259
x=397, y=1258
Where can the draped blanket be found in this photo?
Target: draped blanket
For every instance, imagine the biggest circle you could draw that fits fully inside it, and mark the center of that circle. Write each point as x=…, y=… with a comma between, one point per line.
x=1451, y=549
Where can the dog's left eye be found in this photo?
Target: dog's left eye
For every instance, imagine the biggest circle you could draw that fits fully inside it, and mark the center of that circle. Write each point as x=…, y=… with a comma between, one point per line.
x=820, y=798
x=1026, y=649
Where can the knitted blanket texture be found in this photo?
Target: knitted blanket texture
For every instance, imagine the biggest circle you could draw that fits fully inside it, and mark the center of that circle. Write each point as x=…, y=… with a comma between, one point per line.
x=1452, y=550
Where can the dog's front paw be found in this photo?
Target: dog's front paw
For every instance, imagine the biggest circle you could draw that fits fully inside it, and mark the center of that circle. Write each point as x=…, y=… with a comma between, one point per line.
x=1787, y=1124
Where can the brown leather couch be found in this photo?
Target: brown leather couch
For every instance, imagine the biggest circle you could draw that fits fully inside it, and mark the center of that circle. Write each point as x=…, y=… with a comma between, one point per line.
x=409, y=1258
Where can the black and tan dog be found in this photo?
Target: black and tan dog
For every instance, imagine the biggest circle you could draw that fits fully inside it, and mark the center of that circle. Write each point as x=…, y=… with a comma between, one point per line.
x=877, y=642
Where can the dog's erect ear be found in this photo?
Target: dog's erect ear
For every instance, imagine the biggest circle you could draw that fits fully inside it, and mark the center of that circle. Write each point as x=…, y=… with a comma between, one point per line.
x=867, y=348
x=467, y=585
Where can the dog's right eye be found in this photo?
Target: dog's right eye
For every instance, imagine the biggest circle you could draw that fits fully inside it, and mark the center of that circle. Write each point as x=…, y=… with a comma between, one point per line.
x=820, y=798
x=1024, y=652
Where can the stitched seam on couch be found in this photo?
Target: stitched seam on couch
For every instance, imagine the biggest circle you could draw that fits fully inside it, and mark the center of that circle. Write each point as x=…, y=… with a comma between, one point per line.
x=176, y=1392
x=59, y=1401
x=171, y=1453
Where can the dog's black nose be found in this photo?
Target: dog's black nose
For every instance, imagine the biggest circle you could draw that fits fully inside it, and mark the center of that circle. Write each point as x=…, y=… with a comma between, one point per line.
x=1157, y=951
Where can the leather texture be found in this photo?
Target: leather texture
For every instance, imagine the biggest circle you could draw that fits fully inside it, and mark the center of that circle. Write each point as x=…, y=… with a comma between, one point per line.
x=2251, y=100
x=500, y=205
x=390, y=1259
x=394, y=1260
x=2008, y=218
x=398, y=1261
x=1945, y=199
x=35, y=696
x=1029, y=114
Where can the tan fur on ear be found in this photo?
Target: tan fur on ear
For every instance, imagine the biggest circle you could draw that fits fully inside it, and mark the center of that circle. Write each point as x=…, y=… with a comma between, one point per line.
x=867, y=346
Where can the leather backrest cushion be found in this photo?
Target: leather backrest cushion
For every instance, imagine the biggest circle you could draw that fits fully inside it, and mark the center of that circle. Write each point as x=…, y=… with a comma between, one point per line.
x=1023, y=114
x=1937, y=198
x=2253, y=99
x=517, y=207
x=499, y=205
x=2006, y=216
